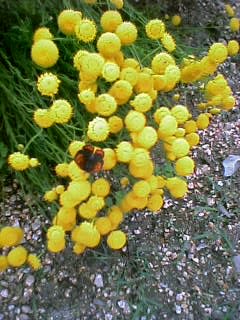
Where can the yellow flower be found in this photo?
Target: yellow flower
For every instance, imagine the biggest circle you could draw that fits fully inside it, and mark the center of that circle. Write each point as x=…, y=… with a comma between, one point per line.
x=92, y=85
x=77, y=59
x=168, y=42
x=34, y=261
x=229, y=9
x=67, y=200
x=160, y=113
x=193, y=139
x=234, y=24
x=79, y=190
x=11, y=236
x=103, y=225
x=61, y=170
x=110, y=159
x=110, y=71
x=17, y=256
x=140, y=157
x=86, y=30
x=129, y=74
x=131, y=63
x=79, y=248
x=153, y=182
x=180, y=132
x=50, y=195
x=141, y=188
x=98, y=129
x=87, y=234
x=190, y=126
x=116, y=240
x=172, y=74
x=121, y=90
x=18, y=161
x=117, y=3
x=144, y=83
x=155, y=29
x=44, y=118
x=48, y=84
x=96, y=203
x=101, y=187
x=33, y=162
x=232, y=47
x=161, y=61
x=202, y=121
x=147, y=137
x=144, y=171
x=184, y=166
x=110, y=20
x=62, y=111
x=60, y=189
x=176, y=20
x=115, y=124
x=167, y=127
x=180, y=113
x=193, y=72
x=127, y=33
x=124, y=151
x=67, y=21
x=42, y=33
x=75, y=173
x=180, y=147
x=56, y=247
x=135, y=121
x=155, y=202
x=87, y=97
x=177, y=187
x=108, y=44
x=86, y=212
x=105, y=104
x=228, y=102
x=142, y=102
x=217, y=53
x=55, y=233
x=92, y=65
x=66, y=218
x=3, y=263
x=44, y=53
x=75, y=146
x=115, y=215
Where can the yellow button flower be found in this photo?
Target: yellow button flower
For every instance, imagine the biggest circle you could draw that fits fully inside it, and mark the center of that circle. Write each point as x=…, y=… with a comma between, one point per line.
x=176, y=20
x=18, y=161
x=124, y=151
x=103, y=225
x=135, y=121
x=140, y=157
x=101, y=187
x=86, y=30
x=11, y=236
x=116, y=240
x=98, y=129
x=184, y=166
x=79, y=190
x=193, y=139
x=190, y=126
x=44, y=53
x=180, y=113
x=117, y=3
x=108, y=44
x=160, y=113
x=161, y=61
x=75, y=146
x=115, y=215
x=129, y=74
x=17, y=256
x=177, y=187
x=44, y=118
x=115, y=124
x=105, y=104
x=233, y=48
x=202, y=121
x=86, y=212
x=141, y=188
x=3, y=263
x=155, y=202
x=48, y=84
x=67, y=21
x=168, y=42
x=56, y=247
x=77, y=59
x=180, y=147
x=50, y=195
x=167, y=127
x=142, y=102
x=155, y=29
x=121, y=90
x=110, y=20
x=234, y=24
x=127, y=33
x=34, y=261
x=87, y=234
x=147, y=137
x=62, y=111
x=42, y=33
x=91, y=66
x=229, y=9
x=110, y=159
x=110, y=71
x=217, y=53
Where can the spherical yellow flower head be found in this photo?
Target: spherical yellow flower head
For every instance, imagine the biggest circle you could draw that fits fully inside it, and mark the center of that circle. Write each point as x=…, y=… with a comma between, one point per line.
x=141, y=188
x=33, y=162
x=110, y=71
x=66, y=218
x=234, y=24
x=18, y=161
x=115, y=124
x=44, y=118
x=127, y=33
x=168, y=42
x=87, y=97
x=42, y=33
x=176, y=20
x=131, y=63
x=147, y=137
x=184, y=166
x=105, y=104
x=67, y=21
x=172, y=74
x=142, y=102
x=135, y=201
x=160, y=113
x=208, y=67
x=144, y=83
x=110, y=159
x=180, y=132
x=17, y=256
x=155, y=29
x=180, y=147
x=161, y=61
x=3, y=263
x=79, y=190
x=233, y=48
x=193, y=139
x=56, y=233
x=116, y=240
x=115, y=215
x=77, y=59
x=60, y=189
x=110, y=20
x=45, y=53
x=190, y=126
x=11, y=236
x=202, y=121
x=180, y=113
x=86, y=30
x=228, y=103
x=96, y=203
x=61, y=170
x=62, y=111
x=124, y=151
x=75, y=173
x=143, y=172
x=121, y=90
x=92, y=65
x=129, y=74
x=75, y=146
x=50, y=195
x=177, y=187
x=103, y=225
x=87, y=234
x=101, y=187
x=140, y=157
x=167, y=127
x=79, y=248
x=98, y=129
x=48, y=84
x=217, y=53
x=155, y=202
x=229, y=9
x=215, y=86
x=117, y=3
x=56, y=247
x=135, y=121
x=108, y=44
x=87, y=212
x=192, y=72
x=66, y=200
x=34, y=262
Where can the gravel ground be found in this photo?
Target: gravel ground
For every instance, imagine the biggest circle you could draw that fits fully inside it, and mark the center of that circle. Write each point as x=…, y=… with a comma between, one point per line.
x=183, y=263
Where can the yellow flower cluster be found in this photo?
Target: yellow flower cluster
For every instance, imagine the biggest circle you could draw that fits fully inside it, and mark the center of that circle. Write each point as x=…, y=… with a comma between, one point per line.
x=20, y=162
x=18, y=255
